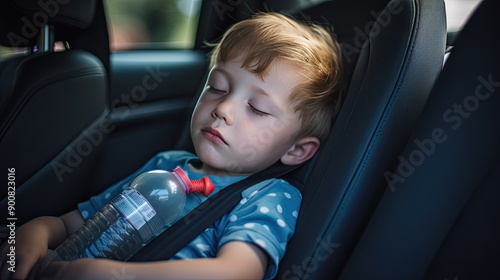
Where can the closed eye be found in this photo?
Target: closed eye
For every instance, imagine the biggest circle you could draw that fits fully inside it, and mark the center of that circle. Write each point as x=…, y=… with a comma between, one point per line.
x=215, y=90
x=257, y=111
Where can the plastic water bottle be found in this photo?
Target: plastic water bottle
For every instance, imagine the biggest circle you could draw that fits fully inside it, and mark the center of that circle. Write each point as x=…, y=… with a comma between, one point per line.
x=133, y=218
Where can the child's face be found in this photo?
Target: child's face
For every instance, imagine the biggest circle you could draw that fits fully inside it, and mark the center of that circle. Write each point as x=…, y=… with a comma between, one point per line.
x=243, y=123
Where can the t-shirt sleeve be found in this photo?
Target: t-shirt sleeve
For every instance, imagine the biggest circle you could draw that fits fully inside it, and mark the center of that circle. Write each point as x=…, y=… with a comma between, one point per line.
x=159, y=161
x=266, y=216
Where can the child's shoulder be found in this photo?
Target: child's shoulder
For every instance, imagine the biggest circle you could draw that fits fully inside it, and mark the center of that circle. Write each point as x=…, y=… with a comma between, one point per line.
x=273, y=189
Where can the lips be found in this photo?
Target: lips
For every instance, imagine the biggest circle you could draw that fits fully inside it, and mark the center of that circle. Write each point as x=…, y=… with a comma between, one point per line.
x=213, y=135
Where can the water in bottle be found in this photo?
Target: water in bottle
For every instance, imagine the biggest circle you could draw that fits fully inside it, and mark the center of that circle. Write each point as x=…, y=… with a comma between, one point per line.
x=133, y=218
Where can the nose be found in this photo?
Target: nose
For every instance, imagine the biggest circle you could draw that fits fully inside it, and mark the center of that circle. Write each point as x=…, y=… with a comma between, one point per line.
x=224, y=111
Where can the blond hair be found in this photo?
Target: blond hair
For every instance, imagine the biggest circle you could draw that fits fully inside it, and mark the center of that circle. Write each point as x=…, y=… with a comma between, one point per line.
x=269, y=36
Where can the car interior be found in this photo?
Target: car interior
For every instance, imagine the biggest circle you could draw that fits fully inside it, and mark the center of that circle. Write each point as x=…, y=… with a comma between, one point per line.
x=405, y=186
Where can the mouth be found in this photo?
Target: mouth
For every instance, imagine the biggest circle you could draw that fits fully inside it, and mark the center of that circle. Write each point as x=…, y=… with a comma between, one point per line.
x=213, y=135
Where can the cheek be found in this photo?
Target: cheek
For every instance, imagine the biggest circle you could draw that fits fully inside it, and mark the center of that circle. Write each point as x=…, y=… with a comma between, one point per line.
x=278, y=130
x=266, y=139
x=202, y=110
x=194, y=117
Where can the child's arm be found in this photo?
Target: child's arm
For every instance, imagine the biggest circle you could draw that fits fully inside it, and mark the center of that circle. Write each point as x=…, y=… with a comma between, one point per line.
x=33, y=240
x=235, y=260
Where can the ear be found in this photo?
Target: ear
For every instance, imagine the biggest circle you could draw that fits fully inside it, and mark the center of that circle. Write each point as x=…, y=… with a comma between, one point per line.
x=301, y=151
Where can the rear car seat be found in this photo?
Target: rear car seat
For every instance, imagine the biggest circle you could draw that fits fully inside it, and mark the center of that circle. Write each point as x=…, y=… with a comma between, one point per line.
x=439, y=216
x=393, y=71
x=54, y=103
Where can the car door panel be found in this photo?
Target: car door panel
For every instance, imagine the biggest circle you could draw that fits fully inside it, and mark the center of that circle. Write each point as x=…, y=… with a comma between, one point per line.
x=151, y=96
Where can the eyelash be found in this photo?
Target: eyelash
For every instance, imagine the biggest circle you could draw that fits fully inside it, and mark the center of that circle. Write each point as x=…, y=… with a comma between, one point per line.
x=216, y=90
x=257, y=112
x=252, y=108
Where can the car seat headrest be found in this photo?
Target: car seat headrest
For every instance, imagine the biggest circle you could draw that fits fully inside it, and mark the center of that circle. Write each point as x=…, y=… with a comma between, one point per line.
x=22, y=20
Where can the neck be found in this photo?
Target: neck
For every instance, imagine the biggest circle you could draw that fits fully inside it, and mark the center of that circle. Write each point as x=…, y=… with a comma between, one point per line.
x=202, y=168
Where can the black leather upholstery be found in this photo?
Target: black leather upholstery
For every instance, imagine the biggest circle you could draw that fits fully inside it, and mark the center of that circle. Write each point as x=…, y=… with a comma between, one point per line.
x=52, y=113
x=397, y=66
x=439, y=218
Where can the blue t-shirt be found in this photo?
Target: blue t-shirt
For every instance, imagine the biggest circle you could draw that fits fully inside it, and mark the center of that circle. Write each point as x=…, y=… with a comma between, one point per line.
x=265, y=216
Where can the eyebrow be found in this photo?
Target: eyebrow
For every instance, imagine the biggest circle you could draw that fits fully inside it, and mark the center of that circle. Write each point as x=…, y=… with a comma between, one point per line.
x=254, y=88
x=227, y=74
x=220, y=70
x=260, y=91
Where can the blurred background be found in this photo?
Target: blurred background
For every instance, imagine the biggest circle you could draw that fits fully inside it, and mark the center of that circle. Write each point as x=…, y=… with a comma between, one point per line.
x=171, y=24
x=167, y=24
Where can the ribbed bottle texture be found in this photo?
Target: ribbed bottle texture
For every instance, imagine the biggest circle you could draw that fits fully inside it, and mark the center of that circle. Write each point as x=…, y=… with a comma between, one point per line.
x=133, y=218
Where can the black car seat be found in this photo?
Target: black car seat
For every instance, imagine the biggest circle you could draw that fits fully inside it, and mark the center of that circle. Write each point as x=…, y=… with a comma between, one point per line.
x=53, y=103
x=392, y=56
x=389, y=82
x=440, y=217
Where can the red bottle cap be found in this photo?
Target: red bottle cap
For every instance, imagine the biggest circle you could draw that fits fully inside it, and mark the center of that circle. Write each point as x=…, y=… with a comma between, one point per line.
x=203, y=185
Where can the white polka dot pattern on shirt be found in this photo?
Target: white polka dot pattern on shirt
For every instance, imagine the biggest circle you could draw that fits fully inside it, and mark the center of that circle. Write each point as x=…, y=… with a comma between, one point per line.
x=281, y=223
x=274, y=219
x=249, y=225
x=261, y=243
x=85, y=214
x=203, y=247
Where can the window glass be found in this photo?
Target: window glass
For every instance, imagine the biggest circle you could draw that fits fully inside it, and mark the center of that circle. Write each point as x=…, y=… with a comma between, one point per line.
x=152, y=23
x=4, y=51
x=457, y=13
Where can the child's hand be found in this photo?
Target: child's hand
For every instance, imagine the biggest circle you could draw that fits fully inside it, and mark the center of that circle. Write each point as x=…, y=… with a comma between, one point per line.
x=29, y=249
x=32, y=242
x=80, y=269
x=65, y=270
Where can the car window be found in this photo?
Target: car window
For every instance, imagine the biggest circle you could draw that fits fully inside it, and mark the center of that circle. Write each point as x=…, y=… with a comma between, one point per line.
x=152, y=24
x=457, y=13
x=5, y=51
x=172, y=24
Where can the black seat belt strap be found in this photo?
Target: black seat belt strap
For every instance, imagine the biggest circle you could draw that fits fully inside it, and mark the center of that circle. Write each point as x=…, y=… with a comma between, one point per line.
x=176, y=237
